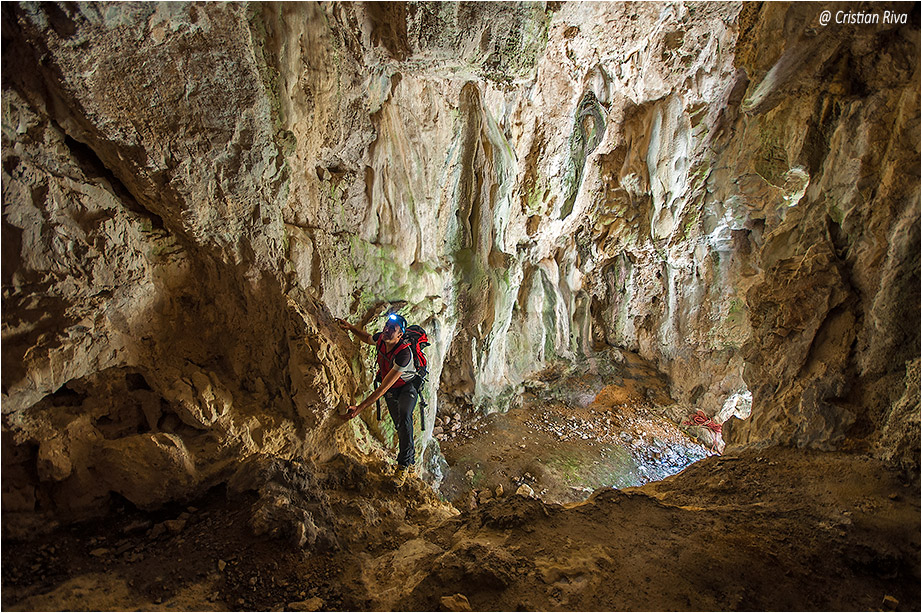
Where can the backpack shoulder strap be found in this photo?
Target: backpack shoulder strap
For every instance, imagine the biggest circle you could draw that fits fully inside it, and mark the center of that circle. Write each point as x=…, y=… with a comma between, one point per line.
x=389, y=355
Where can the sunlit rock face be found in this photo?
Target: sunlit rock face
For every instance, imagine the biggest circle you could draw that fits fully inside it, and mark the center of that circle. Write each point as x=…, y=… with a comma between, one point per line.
x=192, y=192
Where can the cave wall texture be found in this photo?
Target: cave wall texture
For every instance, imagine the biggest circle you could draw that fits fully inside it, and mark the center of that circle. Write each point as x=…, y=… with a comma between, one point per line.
x=191, y=193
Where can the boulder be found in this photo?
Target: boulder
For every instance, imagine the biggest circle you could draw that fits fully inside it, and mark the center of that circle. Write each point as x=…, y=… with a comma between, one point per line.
x=147, y=469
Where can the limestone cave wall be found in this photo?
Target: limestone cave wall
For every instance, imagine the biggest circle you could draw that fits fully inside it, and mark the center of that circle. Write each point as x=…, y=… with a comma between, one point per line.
x=192, y=192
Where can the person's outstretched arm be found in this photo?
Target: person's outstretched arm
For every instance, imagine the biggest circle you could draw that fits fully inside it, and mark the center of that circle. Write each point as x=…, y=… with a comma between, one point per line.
x=361, y=334
x=389, y=380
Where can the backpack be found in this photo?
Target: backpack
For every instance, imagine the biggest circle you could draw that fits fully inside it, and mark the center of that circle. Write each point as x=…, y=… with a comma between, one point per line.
x=418, y=340
x=415, y=336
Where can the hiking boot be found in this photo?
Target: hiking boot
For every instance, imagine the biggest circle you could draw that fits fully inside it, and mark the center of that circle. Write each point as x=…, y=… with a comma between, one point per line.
x=401, y=474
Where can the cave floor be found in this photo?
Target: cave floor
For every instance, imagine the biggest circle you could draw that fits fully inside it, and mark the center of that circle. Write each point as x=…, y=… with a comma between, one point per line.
x=569, y=436
x=563, y=452
x=769, y=529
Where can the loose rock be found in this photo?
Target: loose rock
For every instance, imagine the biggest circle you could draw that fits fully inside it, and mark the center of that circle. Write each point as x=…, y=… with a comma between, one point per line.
x=458, y=602
x=156, y=531
x=313, y=604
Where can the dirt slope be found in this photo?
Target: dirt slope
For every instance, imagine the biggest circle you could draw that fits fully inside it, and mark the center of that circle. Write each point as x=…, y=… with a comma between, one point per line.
x=771, y=529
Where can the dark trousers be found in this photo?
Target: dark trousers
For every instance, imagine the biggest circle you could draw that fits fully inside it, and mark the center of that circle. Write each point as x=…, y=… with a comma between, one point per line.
x=400, y=404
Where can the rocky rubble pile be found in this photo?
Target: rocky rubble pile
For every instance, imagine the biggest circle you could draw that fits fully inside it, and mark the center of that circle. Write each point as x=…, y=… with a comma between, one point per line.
x=448, y=426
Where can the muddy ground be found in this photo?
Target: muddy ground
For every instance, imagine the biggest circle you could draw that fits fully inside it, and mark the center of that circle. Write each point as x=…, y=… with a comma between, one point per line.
x=771, y=529
x=569, y=435
x=563, y=452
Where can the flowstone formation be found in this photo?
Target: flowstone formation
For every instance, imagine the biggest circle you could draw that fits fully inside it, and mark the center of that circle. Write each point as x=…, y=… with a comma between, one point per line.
x=192, y=192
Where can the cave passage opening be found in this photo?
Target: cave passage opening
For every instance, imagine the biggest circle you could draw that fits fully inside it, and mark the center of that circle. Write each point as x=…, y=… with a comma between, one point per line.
x=569, y=434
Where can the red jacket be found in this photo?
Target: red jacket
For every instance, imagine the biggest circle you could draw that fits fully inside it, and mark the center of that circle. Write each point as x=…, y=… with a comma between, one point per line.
x=385, y=359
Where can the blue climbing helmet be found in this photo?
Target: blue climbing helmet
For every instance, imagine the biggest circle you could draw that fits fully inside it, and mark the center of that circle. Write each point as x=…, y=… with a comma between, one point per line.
x=395, y=319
